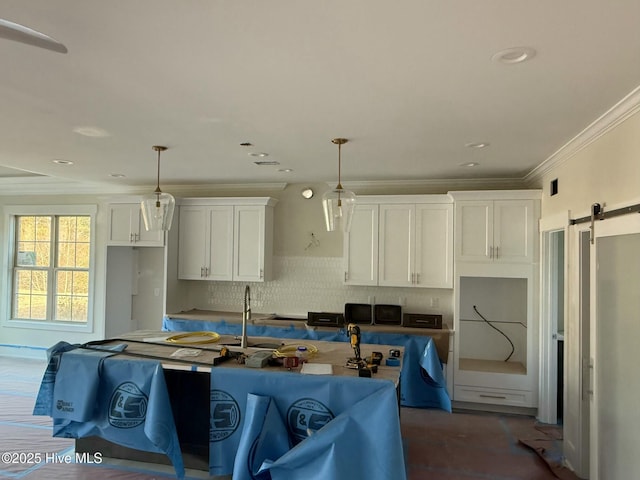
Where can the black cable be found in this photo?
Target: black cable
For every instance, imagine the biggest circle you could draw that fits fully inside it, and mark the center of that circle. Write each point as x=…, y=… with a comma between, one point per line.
x=497, y=330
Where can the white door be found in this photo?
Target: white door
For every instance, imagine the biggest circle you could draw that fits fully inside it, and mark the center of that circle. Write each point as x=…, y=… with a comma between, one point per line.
x=192, y=243
x=361, y=247
x=512, y=235
x=220, y=230
x=397, y=239
x=615, y=356
x=474, y=224
x=434, y=246
x=249, y=237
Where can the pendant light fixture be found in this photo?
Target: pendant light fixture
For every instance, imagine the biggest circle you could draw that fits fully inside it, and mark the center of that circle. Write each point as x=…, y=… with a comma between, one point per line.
x=338, y=203
x=157, y=208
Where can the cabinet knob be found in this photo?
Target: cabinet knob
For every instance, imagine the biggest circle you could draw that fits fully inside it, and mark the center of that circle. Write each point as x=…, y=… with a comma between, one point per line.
x=131, y=237
x=497, y=252
x=346, y=276
x=202, y=271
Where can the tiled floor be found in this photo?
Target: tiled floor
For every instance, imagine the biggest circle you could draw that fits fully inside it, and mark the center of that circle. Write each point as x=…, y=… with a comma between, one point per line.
x=467, y=446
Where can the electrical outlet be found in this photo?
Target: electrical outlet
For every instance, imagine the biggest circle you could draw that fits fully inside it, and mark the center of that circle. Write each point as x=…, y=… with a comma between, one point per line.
x=434, y=302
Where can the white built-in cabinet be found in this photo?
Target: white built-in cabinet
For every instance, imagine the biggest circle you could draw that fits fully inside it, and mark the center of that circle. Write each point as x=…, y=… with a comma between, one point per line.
x=126, y=227
x=495, y=230
x=496, y=238
x=229, y=239
x=401, y=241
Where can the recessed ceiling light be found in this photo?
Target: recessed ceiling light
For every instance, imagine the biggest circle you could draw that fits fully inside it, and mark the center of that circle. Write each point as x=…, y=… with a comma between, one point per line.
x=117, y=175
x=91, y=132
x=258, y=154
x=514, y=55
x=286, y=170
x=477, y=145
x=469, y=164
x=267, y=162
x=59, y=161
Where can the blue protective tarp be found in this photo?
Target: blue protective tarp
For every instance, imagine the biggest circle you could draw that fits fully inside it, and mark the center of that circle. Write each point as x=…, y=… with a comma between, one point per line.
x=422, y=381
x=341, y=427
x=123, y=401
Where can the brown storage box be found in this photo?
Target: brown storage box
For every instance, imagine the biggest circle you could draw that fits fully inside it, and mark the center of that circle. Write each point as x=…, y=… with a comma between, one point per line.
x=422, y=320
x=388, y=315
x=357, y=313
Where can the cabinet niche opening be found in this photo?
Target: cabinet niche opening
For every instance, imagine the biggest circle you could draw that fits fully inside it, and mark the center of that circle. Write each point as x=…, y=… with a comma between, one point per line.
x=496, y=343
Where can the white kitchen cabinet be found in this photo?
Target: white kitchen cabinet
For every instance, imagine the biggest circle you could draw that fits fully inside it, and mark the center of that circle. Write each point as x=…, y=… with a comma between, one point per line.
x=416, y=245
x=126, y=227
x=499, y=230
x=228, y=239
x=402, y=241
x=205, y=245
x=361, y=247
x=486, y=369
x=496, y=278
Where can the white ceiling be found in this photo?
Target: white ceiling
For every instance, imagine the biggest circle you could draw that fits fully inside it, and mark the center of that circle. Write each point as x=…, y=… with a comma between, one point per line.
x=408, y=82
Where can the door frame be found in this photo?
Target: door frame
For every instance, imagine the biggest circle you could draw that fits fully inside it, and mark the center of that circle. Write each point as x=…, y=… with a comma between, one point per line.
x=547, y=381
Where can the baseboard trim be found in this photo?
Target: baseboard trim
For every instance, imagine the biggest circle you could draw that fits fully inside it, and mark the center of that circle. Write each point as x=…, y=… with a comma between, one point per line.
x=459, y=407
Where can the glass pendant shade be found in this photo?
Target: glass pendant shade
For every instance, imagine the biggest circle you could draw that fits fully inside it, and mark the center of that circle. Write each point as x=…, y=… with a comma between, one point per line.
x=338, y=203
x=157, y=208
x=157, y=211
x=338, y=207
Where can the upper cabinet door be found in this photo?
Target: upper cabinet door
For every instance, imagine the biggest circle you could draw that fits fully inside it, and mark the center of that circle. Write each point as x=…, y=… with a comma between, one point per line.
x=249, y=241
x=434, y=246
x=474, y=231
x=496, y=231
x=397, y=245
x=193, y=243
x=220, y=243
x=513, y=231
x=361, y=247
x=126, y=227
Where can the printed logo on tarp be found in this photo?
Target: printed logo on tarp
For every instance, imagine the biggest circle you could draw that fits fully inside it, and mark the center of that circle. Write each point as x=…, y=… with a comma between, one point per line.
x=305, y=416
x=225, y=416
x=128, y=406
x=52, y=369
x=64, y=406
x=427, y=379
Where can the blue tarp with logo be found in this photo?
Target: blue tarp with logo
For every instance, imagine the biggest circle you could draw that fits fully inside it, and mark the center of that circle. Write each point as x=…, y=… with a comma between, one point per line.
x=422, y=381
x=123, y=401
x=287, y=426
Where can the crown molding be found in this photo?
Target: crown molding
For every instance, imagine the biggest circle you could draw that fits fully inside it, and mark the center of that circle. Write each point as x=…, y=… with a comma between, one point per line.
x=625, y=108
x=32, y=185
x=442, y=185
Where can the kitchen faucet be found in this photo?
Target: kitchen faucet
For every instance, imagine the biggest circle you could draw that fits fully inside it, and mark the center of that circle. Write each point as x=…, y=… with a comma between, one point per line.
x=246, y=316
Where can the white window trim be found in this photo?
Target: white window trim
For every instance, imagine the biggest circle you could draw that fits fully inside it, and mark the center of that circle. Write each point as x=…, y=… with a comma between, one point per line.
x=10, y=212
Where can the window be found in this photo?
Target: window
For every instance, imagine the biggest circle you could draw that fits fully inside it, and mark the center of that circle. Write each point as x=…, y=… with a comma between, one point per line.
x=52, y=269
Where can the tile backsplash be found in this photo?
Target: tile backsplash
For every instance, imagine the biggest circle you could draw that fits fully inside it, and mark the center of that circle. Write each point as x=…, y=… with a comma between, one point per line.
x=314, y=284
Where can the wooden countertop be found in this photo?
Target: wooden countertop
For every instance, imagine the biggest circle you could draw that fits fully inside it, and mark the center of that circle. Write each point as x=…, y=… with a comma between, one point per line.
x=153, y=343
x=440, y=336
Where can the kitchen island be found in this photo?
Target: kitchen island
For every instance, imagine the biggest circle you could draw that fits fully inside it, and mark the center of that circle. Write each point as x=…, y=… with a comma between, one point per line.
x=231, y=418
x=423, y=384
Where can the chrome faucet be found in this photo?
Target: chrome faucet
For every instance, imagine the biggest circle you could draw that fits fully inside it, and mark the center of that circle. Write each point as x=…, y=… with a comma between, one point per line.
x=246, y=316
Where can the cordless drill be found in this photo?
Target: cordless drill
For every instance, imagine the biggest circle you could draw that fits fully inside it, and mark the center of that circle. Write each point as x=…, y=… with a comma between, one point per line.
x=353, y=332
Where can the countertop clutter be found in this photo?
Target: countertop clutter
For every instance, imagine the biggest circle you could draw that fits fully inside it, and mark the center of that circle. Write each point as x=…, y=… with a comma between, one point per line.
x=440, y=336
